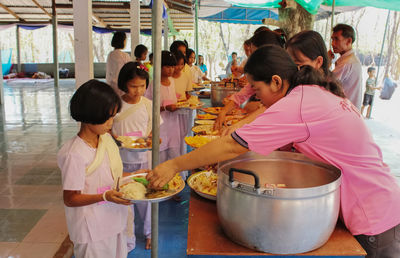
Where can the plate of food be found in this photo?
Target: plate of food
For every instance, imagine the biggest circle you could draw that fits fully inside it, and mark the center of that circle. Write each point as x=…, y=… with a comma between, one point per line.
x=204, y=130
x=204, y=122
x=199, y=140
x=135, y=188
x=206, y=116
x=204, y=183
x=212, y=110
x=191, y=103
x=135, y=143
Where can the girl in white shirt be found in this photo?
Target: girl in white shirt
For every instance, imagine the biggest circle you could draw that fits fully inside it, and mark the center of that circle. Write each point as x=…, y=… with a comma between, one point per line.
x=135, y=120
x=90, y=165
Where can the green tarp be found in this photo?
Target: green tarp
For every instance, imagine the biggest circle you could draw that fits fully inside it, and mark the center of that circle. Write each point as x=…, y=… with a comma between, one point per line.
x=312, y=6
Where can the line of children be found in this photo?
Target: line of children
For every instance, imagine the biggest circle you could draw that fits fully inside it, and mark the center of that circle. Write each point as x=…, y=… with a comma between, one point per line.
x=90, y=164
x=135, y=119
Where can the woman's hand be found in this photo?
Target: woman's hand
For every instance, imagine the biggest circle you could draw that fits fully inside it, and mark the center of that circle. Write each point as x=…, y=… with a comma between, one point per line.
x=116, y=197
x=171, y=108
x=220, y=121
x=161, y=175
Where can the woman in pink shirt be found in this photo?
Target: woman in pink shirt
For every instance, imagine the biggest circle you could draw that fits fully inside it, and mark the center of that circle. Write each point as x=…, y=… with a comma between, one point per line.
x=306, y=110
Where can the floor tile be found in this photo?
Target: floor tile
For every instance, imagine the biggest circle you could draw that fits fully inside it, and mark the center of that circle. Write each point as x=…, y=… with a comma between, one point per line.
x=15, y=224
x=35, y=250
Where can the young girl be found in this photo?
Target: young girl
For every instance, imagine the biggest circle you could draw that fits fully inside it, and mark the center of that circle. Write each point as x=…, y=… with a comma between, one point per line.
x=135, y=120
x=90, y=165
x=309, y=111
x=170, y=136
x=141, y=54
x=197, y=74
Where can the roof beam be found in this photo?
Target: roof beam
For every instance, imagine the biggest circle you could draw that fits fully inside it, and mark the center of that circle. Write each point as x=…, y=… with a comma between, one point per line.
x=44, y=10
x=11, y=12
x=99, y=21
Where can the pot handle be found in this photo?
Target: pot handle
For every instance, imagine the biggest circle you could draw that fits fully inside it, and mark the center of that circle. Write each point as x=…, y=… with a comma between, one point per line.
x=247, y=172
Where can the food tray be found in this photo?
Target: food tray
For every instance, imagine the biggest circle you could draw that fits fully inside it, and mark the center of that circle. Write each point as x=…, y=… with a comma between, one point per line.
x=132, y=147
x=185, y=105
x=204, y=122
x=206, y=116
x=212, y=110
x=190, y=182
x=208, y=137
x=204, y=130
x=169, y=195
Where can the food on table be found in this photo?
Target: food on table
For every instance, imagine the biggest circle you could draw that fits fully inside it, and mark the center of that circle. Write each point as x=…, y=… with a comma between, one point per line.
x=204, y=182
x=206, y=116
x=212, y=110
x=205, y=130
x=198, y=141
x=134, y=190
x=192, y=102
x=133, y=142
x=204, y=122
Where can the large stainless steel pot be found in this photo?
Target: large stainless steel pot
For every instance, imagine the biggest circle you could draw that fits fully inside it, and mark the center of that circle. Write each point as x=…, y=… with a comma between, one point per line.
x=295, y=219
x=219, y=92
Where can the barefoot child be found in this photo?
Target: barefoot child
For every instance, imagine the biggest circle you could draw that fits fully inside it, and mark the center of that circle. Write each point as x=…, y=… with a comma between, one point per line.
x=90, y=165
x=135, y=120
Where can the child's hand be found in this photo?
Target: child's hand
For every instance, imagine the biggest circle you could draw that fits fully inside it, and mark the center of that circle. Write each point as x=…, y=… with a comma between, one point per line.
x=116, y=197
x=171, y=108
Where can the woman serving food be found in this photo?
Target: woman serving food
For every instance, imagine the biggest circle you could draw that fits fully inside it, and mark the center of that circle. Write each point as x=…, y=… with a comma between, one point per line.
x=310, y=112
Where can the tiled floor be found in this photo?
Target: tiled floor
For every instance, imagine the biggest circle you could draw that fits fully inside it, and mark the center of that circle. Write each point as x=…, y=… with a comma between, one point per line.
x=34, y=122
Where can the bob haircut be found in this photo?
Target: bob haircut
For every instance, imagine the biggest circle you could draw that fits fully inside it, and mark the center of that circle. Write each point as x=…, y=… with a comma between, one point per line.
x=140, y=50
x=118, y=40
x=130, y=71
x=311, y=44
x=189, y=51
x=272, y=60
x=176, y=44
x=167, y=59
x=94, y=103
x=267, y=37
x=179, y=56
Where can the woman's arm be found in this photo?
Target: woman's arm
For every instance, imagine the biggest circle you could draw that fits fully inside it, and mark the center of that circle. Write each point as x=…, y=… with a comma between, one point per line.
x=247, y=120
x=77, y=199
x=218, y=150
x=219, y=122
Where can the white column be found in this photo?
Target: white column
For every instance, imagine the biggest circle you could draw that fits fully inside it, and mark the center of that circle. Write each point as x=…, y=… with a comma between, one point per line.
x=55, y=44
x=18, y=49
x=83, y=45
x=166, y=30
x=135, y=26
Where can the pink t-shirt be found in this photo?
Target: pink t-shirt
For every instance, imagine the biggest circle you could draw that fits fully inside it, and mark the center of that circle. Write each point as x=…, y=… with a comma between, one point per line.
x=327, y=128
x=96, y=221
x=244, y=94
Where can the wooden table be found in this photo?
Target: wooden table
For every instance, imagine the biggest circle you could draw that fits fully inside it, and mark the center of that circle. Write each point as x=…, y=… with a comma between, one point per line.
x=206, y=238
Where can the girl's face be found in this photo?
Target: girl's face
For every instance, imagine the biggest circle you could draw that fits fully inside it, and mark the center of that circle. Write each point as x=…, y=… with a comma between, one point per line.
x=267, y=93
x=192, y=58
x=136, y=87
x=179, y=66
x=300, y=59
x=167, y=71
x=144, y=56
x=182, y=49
x=247, y=50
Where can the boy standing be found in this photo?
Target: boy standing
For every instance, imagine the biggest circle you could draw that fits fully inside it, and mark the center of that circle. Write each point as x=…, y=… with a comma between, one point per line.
x=369, y=91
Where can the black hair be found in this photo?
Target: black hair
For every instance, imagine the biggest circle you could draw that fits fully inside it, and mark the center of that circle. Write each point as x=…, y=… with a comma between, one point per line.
x=150, y=56
x=140, y=50
x=267, y=37
x=261, y=28
x=247, y=42
x=234, y=53
x=347, y=31
x=189, y=51
x=179, y=56
x=311, y=44
x=167, y=59
x=94, y=103
x=118, y=40
x=370, y=69
x=176, y=44
x=272, y=60
x=129, y=71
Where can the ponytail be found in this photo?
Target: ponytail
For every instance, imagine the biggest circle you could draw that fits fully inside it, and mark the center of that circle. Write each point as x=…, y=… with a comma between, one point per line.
x=309, y=76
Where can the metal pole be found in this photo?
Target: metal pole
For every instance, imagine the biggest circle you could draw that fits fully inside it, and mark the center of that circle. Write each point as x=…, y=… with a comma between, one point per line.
x=135, y=26
x=332, y=23
x=157, y=11
x=196, y=27
x=166, y=30
x=55, y=44
x=18, y=50
x=1, y=86
x=380, y=56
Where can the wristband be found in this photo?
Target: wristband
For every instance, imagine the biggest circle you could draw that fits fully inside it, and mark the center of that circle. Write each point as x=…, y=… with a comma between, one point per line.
x=104, y=196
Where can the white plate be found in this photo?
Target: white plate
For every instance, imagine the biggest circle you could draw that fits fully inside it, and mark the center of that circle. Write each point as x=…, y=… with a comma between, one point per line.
x=128, y=179
x=130, y=148
x=204, y=195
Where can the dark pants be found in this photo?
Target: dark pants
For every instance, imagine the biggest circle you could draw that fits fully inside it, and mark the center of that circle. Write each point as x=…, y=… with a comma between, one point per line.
x=384, y=245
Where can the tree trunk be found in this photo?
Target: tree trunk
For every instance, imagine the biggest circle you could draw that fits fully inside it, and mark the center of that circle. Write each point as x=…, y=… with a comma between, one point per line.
x=221, y=33
x=390, y=46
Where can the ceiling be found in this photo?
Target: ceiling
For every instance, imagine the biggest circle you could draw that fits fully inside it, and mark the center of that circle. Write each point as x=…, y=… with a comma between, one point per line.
x=106, y=13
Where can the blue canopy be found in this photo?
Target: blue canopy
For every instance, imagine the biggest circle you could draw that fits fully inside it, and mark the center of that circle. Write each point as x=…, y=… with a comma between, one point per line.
x=242, y=16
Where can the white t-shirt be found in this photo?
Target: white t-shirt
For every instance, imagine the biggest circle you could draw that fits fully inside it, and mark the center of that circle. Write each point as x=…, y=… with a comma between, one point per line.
x=197, y=74
x=182, y=84
x=96, y=221
x=115, y=60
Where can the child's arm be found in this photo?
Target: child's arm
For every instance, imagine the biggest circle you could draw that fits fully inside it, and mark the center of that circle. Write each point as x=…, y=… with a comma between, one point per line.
x=77, y=199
